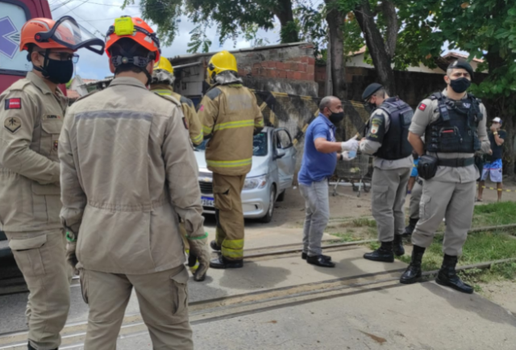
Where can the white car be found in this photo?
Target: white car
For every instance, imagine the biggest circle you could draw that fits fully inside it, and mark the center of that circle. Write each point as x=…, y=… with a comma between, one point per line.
x=272, y=172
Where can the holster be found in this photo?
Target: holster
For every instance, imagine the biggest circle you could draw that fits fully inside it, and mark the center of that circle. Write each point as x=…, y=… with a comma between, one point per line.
x=427, y=167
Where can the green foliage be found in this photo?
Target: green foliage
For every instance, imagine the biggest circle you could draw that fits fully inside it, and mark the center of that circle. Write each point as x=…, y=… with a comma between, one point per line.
x=502, y=213
x=199, y=39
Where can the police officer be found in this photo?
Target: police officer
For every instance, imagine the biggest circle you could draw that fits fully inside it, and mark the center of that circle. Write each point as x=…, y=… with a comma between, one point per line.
x=230, y=116
x=32, y=112
x=127, y=172
x=454, y=125
x=386, y=139
x=162, y=80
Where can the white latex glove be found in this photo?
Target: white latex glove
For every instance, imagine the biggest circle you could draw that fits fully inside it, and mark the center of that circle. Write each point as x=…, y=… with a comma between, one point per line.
x=350, y=145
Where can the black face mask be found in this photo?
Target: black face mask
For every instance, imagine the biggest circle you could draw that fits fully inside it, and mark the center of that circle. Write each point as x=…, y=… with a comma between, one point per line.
x=460, y=85
x=336, y=118
x=57, y=71
x=369, y=107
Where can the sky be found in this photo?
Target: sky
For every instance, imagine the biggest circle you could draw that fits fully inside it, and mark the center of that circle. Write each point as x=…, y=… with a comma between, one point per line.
x=97, y=15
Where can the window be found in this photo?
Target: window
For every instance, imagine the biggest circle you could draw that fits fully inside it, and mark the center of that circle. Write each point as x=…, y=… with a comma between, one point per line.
x=283, y=139
x=12, y=19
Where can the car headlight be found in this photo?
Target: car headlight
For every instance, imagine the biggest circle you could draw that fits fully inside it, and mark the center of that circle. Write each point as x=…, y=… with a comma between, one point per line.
x=252, y=183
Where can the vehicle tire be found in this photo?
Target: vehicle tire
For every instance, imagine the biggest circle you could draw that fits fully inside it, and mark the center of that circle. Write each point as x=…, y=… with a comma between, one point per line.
x=281, y=196
x=270, y=211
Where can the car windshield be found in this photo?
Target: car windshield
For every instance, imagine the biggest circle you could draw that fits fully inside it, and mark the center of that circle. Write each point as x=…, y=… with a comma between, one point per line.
x=259, y=145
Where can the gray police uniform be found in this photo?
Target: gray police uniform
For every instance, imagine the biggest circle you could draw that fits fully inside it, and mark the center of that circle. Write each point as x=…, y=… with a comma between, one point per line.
x=415, y=198
x=386, y=139
x=450, y=193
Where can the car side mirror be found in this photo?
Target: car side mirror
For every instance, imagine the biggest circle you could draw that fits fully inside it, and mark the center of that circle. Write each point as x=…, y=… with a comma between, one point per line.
x=279, y=154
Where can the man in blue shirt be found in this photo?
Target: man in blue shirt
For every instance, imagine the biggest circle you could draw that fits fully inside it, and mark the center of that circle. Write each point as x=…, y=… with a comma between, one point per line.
x=319, y=161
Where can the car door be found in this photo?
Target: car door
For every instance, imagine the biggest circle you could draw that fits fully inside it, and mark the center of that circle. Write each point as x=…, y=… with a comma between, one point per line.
x=285, y=157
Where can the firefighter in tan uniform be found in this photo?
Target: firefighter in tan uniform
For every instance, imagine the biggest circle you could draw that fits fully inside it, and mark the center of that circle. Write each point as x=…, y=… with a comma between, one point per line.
x=162, y=80
x=127, y=172
x=230, y=117
x=31, y=113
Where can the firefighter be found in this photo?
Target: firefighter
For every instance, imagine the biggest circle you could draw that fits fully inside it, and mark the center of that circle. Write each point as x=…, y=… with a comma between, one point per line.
x=162, y=80
x=230, y=117
x=127, y=172
x=32, y=112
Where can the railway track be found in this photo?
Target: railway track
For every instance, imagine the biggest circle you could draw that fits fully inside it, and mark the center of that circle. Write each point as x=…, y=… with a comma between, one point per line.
x=213, y=310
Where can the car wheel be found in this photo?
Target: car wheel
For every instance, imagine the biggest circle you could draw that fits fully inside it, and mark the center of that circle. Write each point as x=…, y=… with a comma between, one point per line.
x=281, y=196
x=270, y=210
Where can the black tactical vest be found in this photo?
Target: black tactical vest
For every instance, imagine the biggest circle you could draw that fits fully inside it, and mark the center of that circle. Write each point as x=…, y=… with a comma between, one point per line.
x=395, y=144
x=456, y=128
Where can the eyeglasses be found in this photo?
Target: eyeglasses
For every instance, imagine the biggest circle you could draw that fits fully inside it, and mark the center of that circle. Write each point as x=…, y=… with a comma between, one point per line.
x=64, y=56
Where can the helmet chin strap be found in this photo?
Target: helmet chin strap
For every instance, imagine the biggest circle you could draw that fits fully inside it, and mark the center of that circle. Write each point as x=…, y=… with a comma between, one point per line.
x=43, y=68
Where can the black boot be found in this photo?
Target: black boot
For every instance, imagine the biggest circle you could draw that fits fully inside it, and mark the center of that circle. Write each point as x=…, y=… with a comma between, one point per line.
x=223, y=263
x=384, y=253
x=413, y=271
x=447, y=276
x=410, y=227
x=31, y=348
x=397, y=245
x=215, y=246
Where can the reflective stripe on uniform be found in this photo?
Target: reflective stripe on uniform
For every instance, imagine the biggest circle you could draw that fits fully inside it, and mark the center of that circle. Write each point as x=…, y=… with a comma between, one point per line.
x=233, y=249
x=229, y=163
x=163, y=92
x=260, y=123
x=198, y=138
x=234, y=125
x=206, y=130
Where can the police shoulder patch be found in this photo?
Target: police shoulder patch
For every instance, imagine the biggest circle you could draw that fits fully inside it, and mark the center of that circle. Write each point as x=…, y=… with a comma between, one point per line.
x=213, y=93
x=422, y=106
x=13, y=124
x=13, y=103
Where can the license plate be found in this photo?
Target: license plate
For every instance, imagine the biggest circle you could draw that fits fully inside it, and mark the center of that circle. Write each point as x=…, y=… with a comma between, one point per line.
x=207, y=202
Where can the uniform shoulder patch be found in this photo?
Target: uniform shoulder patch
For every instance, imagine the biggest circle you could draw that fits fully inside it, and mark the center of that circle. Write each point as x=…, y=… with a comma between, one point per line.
x=421, y=106
x=213, y=93
x=13, y=124
x=187, y=101
x=13, y=103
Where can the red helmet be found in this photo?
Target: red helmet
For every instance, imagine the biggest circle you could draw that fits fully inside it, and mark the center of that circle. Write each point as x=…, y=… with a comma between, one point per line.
x=62, y=34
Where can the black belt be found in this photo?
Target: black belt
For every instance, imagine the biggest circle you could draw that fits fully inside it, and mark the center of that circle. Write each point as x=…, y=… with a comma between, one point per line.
x=457, y=162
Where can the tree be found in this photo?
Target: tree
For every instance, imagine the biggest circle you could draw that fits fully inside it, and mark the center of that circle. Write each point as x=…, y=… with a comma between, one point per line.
x=231, y=17
x=484, y=28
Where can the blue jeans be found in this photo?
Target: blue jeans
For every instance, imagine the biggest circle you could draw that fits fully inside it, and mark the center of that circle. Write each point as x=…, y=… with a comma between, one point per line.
x=317, y=207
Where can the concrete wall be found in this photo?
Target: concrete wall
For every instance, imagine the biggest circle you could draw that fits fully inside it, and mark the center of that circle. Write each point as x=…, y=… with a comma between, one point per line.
x=286, y=68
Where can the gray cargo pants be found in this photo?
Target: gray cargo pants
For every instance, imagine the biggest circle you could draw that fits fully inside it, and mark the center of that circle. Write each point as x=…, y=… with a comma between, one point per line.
x=317, y=205
x=450, y=200
x=388, y=200
x=415, y=198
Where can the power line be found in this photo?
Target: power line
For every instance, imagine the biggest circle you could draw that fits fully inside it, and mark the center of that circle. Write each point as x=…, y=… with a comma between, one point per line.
x=82, y=3
x=102, y=4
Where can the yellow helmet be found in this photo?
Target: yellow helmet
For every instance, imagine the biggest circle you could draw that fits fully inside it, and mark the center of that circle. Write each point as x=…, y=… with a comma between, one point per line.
x=221, y=62
x=164, y=64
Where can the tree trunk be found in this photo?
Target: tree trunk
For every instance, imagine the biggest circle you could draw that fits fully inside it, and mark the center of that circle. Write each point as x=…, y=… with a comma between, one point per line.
x=376, y=46
x=284, y=13
x=335, y=20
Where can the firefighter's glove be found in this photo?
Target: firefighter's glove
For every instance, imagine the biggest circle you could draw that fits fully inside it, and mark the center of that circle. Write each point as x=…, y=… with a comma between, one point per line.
x=199, y=248
x=71, y=258
x=350, y=145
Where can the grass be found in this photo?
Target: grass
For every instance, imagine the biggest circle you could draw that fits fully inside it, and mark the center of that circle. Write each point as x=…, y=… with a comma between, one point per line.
x=493, y=214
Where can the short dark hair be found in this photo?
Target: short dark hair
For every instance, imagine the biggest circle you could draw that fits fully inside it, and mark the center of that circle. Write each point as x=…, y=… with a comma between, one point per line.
x=326, y=102
x=128, y=47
